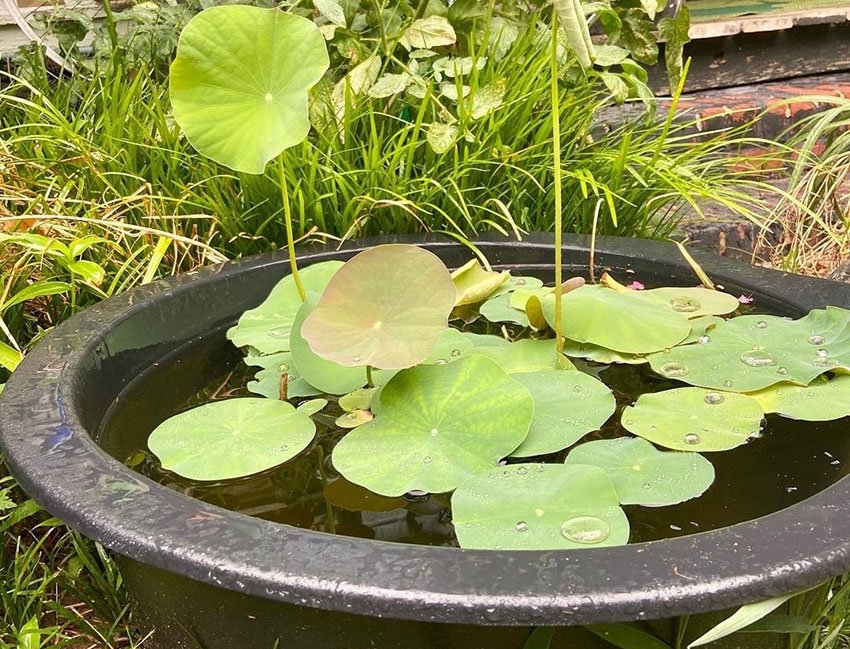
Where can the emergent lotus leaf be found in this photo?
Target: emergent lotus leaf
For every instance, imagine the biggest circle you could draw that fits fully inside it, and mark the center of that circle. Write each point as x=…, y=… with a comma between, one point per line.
x=695, y=302
x=436, y=426
x=515, y=282
x=499, y=309
x=526, y=355
x=539, y=507
x=475, y=283
x=267, y=328
x=643, y=475
x=600, y=354
x=752, y=352
x=821, y=400
x=567, y=406
x=693, y=419
x=386, y=308
x=240, y=81
x=628, y=322
x=231, y=438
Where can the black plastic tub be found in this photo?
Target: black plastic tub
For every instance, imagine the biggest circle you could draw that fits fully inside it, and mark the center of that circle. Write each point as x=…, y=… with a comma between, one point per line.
x=204, y=576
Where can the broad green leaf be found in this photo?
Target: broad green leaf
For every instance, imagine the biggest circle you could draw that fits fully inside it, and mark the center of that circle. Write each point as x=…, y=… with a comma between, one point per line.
x=267, y=328
x=695, y=302
x=637, y=34
x=10, y=357
x=441, y=137
x=312, y=407
x=488, y=98
x=458, y=66
x=819, y=401
x=503, y=34
x=360, y=399
x=29, y=636
x=752, y=352
x=437, y=425
x=90, y=272
x=485, y=340
x=425, y=33
x=608, y=55
x=675, y=31
x=627, y=636
x=538, y=507
x=527, y=355
x=266, y=382
x=693, y=419
x=231, y=438
x=600, y=354
x=643, y=475
x=515, y=282
x=474, y=283
x=701, y=329
x=386, y=308
x=354, y=418
x=451, y=345
x=240, y=81
x=499, y=309
x=571, y=17
x=519, y=298
x=325, y=375
x=618, y=88
x=629, y=322
x=740, y=619
x=332, y=10
x=345, y=494
x=389, y=85
x=567, y=406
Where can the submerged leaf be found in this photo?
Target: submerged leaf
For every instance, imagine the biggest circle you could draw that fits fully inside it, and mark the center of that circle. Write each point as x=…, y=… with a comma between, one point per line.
x=386, y=308
x=643, y=475
x=240, y=81
x=436, y=426
x=232, y=438
x=693, y=419
x=567, y=406
x=538, y=507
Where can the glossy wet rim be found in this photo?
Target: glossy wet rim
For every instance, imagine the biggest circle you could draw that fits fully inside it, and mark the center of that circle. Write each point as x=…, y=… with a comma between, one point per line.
x=789, y=550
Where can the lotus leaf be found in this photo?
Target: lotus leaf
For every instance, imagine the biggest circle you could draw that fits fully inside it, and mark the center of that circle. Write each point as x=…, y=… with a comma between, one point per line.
x=628, y=322
x=354, y=418
x=643, y=475
x=752, y=352
x=498, y=309
x=240, y=81
x=527, y=355
x=600, y=354
x=386, y=308
x=696, y=301
x=693, y=419
x=485, y=340
x=567, y=406
x=474, y=283
x=701, y=329
x=519, y=298
x=436, y=426
x=267, y=328
x=515, y=282
x=539, y=507
x=534, y=313
x=267, y=383
x=231, y=438
x=819, y=401
x=360, y=399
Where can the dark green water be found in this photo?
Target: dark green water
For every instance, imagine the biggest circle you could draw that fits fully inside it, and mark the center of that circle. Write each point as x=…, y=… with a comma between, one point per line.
x=790, y=462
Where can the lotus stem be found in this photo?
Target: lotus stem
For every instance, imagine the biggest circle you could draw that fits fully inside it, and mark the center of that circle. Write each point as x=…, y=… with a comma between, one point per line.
x=370, y=382
x=556, y=169
x=290, y=239
x=330, y=521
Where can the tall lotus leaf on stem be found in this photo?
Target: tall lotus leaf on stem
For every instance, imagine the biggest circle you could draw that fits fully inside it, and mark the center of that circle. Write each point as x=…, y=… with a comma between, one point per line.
x=386, y=308
x=239, y=89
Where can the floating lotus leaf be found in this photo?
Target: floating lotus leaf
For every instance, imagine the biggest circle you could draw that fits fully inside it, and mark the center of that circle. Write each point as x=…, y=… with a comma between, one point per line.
x=327, y=376
x=600, y=354
x=485, y=340
x=474, y=283
x=451, y=345
x=360, y=399
x=267, y=382
x=354, y=418
x=628, y=322
x=752, y=352
x=819, y=401
x=345, y=494
x=312, y=407
x=567, y=406
x=267, y=327
x=498, y=309
x=386, y=308
x=240, y=81
x=539, y=507
x=436, y=426
x=643, y=475
x=695, y=302
x=232, y=438
x=519, y=298
x=693, y=419
x=527, y=355
x=701, y=329
x=520, y=281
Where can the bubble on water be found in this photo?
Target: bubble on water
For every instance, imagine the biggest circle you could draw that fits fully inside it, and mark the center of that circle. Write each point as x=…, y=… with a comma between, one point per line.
x=674, y=370
x=761, y=324
x=587, y=530
x=704, y=340
x=714, y=398
x=758, y=358
x=521, y=526
x=684, y=304
x=815, y=339
x=691, y=438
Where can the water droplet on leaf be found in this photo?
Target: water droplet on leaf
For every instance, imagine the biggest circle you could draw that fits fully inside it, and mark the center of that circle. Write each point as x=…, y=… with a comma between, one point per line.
x=761, y=324
x=714, y=398
x=758, y=358
x=587, y=530
x=815, y=339
x=704, y=340
x=674, y=370
x=684, y=304
x=521, y=526
x=691, y=438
